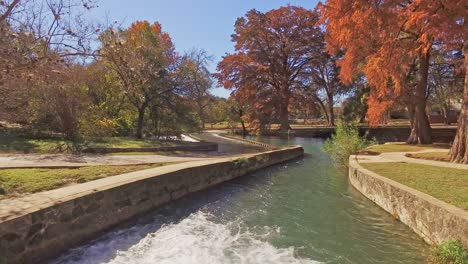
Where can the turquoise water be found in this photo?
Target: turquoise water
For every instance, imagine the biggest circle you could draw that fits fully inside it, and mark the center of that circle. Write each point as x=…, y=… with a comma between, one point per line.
x=303, y=211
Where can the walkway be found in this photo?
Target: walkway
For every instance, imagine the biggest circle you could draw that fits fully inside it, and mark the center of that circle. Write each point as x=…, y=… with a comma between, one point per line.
x=401, y=157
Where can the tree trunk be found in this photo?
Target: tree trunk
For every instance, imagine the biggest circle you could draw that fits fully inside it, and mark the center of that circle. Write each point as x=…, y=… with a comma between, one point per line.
x=324, y=109
x=445, y=113
x=459, y=151
x=244, y=129
x=141, y=119
x=331, y=112
x=284, y=115
x=421, y=129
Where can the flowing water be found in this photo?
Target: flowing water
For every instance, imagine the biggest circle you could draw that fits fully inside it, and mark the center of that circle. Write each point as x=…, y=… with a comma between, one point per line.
x=300, y=212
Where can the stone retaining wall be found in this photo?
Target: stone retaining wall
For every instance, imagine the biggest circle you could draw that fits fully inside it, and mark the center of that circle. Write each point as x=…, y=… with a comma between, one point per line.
x=435, y=221
x=40, y=226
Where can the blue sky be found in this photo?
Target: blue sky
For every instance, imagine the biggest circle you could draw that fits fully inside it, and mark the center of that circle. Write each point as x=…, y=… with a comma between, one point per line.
x=206, y=24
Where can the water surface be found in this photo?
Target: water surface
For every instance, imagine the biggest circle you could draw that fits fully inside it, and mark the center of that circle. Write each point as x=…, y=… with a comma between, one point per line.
x=303, y=211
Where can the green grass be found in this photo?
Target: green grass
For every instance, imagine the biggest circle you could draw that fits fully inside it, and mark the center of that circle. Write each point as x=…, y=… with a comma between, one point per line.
x=13, y=143
x=122, y=142
x=447, y=184
x=438, y=156
x=403, y=147
x=148, y=153
x=19, y=181
x=450, y=252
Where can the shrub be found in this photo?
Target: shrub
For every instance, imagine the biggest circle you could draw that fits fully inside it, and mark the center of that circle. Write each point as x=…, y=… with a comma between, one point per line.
x=450, y=252
x=344, y=142
x=241, y=162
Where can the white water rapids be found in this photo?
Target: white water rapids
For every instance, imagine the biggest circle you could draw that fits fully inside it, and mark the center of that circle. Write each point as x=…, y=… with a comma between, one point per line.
x=196, y=239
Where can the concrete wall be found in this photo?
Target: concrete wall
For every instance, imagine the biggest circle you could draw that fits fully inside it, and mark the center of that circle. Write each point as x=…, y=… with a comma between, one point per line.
x=432, y=219
x=43, y=225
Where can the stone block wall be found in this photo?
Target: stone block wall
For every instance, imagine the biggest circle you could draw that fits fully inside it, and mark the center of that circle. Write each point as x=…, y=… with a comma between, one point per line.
x=435, y=221
x=41, y=226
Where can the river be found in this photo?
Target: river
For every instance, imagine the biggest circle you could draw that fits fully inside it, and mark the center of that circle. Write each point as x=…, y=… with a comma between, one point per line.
x=303, y=211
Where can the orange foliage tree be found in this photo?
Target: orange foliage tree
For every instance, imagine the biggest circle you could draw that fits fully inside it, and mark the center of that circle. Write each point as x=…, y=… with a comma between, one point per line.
x=274, y=54
x=386, y=39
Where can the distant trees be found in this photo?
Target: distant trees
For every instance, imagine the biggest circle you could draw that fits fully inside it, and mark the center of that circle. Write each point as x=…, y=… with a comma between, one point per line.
x=274, y=55
x=135, y=83
x=327, y=84
x=197, y=80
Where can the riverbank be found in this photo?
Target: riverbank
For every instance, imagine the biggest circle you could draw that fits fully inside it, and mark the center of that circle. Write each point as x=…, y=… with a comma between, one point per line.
x=303, y=211
x=442, y=134
x=434, y=220
x=42, y=225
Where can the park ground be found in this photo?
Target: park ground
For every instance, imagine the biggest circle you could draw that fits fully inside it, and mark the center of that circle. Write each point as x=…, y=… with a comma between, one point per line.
x=29, y=165
x=34, y=165
x=422, y=167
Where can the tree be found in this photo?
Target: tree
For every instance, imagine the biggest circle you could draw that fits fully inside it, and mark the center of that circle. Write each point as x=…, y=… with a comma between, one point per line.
x=197, y=80
x=235, y=114
x=143, y=57
x=274, y=53
x=327, y=82
x=355, y=107
x=446, y=82
x=379, y=42
x=385, y=38
x=37, y=38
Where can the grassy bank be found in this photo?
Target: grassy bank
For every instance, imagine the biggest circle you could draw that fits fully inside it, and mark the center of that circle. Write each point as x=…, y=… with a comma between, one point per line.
x=20, y=181
x=437, y=156
x=403, y=147
x=446, y=184
x=14, y=143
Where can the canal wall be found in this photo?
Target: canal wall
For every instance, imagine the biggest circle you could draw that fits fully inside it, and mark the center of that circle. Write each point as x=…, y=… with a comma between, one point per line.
x=435, y=221
x=41, y=226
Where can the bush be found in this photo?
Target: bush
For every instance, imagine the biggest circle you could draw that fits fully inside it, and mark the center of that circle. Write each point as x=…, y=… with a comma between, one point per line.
x=450, y=252
x=344, y=142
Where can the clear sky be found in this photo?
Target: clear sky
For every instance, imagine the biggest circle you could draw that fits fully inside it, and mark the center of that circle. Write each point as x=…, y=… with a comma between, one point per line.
x=206, y=24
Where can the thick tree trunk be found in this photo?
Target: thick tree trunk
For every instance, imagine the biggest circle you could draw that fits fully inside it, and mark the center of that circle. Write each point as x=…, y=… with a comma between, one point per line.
x=140, y=122
x=284, y=111
x=284, y=118
x=421, y=128
x=141, y=119
x=331, y=112
x=459, y=151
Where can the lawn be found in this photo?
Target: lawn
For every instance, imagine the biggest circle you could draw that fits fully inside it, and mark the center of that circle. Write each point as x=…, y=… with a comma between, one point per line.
x=19, y=181
x=123, y=142
x=446, y=184
x=403, y=147
x=12, y=142
x=438, y=156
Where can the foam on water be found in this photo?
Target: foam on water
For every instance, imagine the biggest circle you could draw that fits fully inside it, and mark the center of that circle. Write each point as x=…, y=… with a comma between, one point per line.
x=196, y=239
